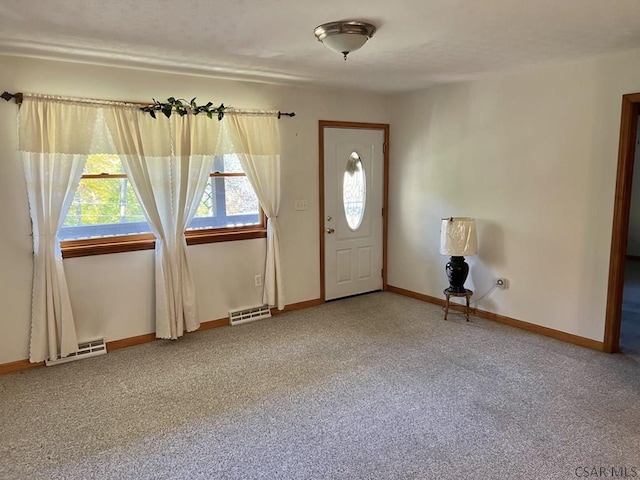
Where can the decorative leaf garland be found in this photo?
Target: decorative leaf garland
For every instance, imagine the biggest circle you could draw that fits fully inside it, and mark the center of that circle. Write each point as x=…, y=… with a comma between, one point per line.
x=182, y=108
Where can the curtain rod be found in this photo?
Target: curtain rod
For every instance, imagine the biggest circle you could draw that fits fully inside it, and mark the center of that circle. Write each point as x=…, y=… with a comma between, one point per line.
x=19, y=97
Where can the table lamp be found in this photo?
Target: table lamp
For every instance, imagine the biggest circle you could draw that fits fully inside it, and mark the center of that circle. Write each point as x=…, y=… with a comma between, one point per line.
x=458, y=239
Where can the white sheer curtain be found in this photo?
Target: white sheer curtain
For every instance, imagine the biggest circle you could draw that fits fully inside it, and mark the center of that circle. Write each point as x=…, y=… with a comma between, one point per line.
x=54, y=141
x=168, y=162
x=169, y=179
x=255, y=138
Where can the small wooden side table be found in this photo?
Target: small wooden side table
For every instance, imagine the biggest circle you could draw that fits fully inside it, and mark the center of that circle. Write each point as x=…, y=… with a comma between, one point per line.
x=448, y=294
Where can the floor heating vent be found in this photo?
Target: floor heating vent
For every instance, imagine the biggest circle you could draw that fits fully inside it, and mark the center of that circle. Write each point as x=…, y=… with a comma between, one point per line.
x=236, y=317
x=85, y=350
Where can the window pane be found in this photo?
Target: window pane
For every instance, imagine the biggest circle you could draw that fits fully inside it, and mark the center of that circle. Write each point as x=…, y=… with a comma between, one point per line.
x=103, y=163
x=229, y=163
x=227, y=202
x=103, y=207
x=208, y=204
x=240, y=197
x=354, y=191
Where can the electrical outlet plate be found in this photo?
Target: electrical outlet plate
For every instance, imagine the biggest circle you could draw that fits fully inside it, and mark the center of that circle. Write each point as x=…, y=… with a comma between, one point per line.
x=258, y=280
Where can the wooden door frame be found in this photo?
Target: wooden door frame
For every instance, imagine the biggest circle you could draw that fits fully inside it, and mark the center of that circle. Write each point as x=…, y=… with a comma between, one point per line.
x=322, y=124
x=620, y=230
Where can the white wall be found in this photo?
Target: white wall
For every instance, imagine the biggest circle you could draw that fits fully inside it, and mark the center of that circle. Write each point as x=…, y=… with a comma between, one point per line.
x=533, y=158
x=112, y=295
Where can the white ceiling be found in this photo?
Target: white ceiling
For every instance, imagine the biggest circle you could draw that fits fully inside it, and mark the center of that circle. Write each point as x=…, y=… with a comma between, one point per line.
x=419, y=42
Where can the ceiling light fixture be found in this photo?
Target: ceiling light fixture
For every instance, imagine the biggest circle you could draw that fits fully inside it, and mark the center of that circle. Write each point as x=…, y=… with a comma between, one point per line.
x=344, y=37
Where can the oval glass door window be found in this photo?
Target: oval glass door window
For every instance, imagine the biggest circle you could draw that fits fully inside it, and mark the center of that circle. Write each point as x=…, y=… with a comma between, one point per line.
x=354, y=191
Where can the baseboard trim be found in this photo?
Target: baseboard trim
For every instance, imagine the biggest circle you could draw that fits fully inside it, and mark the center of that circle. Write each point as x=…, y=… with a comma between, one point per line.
x=531, y=327
x=420, y=296
x=131, y=341
x=151, y=337
x=221, y=322
x=298, y=306
x=18, y=365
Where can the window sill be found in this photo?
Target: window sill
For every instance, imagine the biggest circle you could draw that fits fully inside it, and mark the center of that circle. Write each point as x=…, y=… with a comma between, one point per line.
x=198, y=237
x=133, y=243
x=102, y=246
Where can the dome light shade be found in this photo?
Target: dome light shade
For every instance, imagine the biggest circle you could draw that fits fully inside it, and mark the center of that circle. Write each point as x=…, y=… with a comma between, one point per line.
x=344, y=37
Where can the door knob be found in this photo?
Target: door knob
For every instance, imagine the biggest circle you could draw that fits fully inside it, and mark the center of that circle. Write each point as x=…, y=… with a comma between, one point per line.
x=330, y=230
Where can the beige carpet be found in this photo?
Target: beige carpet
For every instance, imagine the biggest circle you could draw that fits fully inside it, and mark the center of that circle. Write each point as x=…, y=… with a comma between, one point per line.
x=371, y=387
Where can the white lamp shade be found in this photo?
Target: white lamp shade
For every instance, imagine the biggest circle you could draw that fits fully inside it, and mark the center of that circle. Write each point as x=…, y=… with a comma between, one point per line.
x=345, y=42
x=458, y=237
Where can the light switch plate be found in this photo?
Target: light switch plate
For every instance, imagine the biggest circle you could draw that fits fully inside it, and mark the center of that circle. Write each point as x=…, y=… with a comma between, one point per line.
x=301, y=205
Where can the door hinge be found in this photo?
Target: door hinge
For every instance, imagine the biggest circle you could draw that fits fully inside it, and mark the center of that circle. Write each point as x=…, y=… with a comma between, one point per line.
x=383, y=211
x=382, y=272
x=384, y=147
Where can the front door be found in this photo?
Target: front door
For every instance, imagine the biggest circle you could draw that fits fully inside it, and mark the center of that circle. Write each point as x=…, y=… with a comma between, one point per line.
x=353, y=216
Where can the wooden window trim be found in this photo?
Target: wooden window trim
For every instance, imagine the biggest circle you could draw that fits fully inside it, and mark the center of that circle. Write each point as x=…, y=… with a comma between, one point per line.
x=103, y=175
x=132, y=243
x=146, y=241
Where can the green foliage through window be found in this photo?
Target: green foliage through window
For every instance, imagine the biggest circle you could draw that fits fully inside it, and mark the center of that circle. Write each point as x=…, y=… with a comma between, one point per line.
x=100, y=201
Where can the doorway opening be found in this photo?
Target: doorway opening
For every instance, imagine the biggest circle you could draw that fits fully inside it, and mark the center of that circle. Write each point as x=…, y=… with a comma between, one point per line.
x=345, y=218
x=621, y=215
